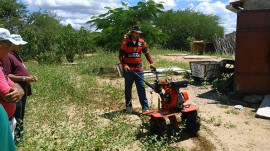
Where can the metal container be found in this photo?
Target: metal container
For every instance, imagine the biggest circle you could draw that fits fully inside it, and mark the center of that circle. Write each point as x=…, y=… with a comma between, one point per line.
x=204, y=69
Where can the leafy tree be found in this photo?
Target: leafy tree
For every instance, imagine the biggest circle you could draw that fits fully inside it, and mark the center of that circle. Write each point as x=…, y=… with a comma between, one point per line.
x=86, y=41
x=70, y=42
x=74, y=42
x=116, y=22
x=183, y=25
x=12, y=14
x=43, y=35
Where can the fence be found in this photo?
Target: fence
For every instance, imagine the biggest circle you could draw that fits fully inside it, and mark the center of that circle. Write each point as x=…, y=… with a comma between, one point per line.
x=226, y=44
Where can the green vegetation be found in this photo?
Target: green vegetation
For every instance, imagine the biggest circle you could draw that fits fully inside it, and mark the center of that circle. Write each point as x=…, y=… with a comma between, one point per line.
x=251, y=113
x=49, y=41
x=218, y=55
x=223, y=106
x=165, y=63
x=214, y=120
x=12, y=14
x=232, y=111
x=184, y=26
x=229, y=125
x=117, y=22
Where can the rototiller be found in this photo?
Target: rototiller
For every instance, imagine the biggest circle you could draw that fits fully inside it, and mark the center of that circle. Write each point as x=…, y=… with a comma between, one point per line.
x=173, y=108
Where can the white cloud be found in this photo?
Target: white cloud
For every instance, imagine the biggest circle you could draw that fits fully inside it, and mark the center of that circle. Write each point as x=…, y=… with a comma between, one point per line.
x=228, y=18
x=211, y=8
x=193, y=0
x=168, y=4
x=74, y=12
x=71, y=22
x=191, y=6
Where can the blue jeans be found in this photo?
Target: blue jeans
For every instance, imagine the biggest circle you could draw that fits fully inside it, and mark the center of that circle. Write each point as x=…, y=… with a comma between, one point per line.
x=19, y=116
x=129, y=80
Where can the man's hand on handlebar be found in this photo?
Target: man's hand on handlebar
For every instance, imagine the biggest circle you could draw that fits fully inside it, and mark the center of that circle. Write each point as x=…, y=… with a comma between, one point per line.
x=152, y=67
x=126, y=68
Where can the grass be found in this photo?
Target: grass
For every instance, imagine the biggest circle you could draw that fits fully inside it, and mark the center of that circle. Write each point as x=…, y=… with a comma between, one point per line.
x=72, y=109
x=232, y=111
x=223, y=106
x=157, y=51
x=229, y=125
x=165, y=63
x=227, y=56
x=214, y=120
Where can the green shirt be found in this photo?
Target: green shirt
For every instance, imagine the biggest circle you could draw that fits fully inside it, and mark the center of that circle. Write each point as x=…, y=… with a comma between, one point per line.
x=6, y=140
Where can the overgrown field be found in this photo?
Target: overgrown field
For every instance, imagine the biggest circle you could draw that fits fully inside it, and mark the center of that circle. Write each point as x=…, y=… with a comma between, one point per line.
x=71, y=110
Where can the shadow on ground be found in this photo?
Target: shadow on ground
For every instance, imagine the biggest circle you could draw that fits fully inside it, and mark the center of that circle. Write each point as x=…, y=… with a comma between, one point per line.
x=114, y=114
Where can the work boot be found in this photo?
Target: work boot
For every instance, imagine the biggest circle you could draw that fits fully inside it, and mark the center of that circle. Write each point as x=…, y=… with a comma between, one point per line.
x=145, y=110
x=129, y=109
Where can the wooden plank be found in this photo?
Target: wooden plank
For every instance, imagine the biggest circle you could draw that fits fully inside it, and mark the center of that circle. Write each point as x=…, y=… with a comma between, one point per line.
x=152, y=75
x=172, y=69
x=264, y=109
x=177, y=54
x=200, y=57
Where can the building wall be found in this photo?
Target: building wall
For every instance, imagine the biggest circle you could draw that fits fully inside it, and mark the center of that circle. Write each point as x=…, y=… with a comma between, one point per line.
x=252, y=56
x=256, y=4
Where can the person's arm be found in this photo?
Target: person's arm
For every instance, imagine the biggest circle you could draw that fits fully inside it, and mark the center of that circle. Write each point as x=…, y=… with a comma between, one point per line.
x=7, y=64
x=149, y=58
x=122, y=55
x=147, y=55
x=22, y=78
x=14, y=95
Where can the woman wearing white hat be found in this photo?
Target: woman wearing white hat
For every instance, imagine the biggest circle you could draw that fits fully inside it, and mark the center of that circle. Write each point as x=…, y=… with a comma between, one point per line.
x=17, y=72
x=10, y=93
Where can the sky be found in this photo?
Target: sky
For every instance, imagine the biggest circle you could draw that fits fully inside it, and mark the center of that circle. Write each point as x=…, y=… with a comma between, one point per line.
x=78, y=12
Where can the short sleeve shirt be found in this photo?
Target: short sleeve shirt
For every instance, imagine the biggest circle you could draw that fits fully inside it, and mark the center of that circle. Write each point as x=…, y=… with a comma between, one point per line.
x=5, y=84
x=13, y=64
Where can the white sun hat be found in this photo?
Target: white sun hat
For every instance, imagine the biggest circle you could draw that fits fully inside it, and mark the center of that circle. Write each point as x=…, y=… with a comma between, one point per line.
x=5, y=36
x=19, y=39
